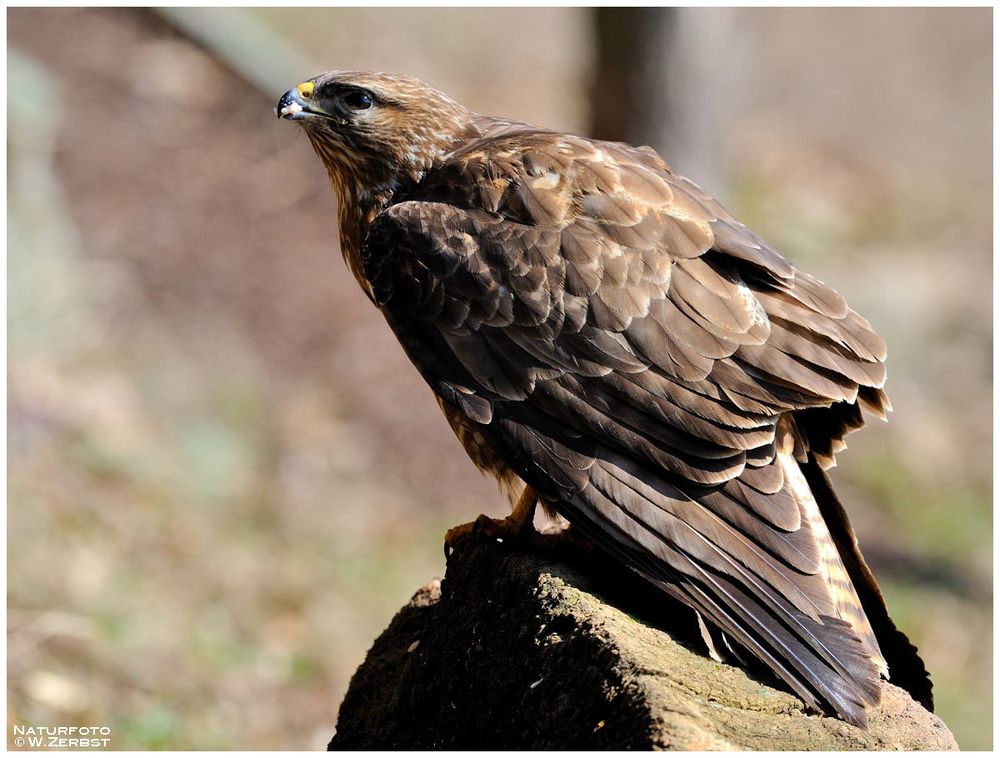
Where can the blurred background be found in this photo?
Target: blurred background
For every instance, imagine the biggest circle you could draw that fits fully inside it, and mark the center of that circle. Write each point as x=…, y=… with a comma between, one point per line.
x=213, y=509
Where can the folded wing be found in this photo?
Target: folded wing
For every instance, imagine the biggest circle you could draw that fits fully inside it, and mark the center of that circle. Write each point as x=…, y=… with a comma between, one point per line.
x=659, y=374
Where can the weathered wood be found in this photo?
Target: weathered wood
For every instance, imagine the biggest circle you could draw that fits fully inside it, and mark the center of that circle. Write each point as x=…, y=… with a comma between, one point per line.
x=548, y=650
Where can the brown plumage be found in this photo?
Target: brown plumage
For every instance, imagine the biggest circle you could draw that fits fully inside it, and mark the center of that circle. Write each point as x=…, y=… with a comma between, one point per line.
x=602, y=330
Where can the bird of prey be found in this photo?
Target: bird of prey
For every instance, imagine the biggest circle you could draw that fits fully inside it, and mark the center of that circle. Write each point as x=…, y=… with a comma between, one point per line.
x=605, y=338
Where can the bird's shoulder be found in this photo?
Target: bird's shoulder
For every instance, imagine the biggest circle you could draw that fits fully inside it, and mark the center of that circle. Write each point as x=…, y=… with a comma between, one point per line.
x=605, y=199
x=542, y=177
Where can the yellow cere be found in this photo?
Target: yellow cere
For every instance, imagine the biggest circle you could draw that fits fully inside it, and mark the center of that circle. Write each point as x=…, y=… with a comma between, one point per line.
x=305, y=89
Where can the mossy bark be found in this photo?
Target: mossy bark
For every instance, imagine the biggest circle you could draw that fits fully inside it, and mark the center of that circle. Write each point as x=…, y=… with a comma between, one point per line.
x=558, y=650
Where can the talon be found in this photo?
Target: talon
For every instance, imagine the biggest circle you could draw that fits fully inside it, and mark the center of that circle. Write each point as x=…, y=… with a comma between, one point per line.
x=455, y=535
x=518, y=526
x=474, y=530
x=484, y=526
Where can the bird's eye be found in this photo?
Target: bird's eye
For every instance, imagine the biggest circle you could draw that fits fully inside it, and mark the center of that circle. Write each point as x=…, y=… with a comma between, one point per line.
x=358, y=100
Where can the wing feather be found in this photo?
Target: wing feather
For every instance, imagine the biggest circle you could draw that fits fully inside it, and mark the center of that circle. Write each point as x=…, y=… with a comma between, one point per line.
x=657, y=372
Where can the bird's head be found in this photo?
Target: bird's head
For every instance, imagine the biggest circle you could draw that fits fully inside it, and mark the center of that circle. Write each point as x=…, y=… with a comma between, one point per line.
x=374, y=130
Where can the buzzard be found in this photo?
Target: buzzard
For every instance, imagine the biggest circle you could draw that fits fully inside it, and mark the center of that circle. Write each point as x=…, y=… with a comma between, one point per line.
x=607, y=340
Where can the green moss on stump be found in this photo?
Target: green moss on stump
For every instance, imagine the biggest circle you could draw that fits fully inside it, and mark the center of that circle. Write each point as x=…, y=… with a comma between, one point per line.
x=546, y=650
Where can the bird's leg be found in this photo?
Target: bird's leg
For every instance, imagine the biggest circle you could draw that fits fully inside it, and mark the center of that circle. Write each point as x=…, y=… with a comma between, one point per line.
x=522, y=518
x=518, y=525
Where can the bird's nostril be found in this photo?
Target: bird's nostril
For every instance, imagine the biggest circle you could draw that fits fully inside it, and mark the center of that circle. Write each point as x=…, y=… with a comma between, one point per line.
x=305, y=89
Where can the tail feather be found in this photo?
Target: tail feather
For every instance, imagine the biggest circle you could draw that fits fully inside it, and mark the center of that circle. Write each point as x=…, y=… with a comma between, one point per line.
x=906, y=668
x=837, y=582
x=823, y=661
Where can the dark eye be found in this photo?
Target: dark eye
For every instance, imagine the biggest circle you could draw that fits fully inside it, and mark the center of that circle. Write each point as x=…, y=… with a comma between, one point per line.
x=358, y=100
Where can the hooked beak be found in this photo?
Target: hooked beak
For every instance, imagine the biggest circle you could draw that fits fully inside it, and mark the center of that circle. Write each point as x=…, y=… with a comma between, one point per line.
x=296, y=104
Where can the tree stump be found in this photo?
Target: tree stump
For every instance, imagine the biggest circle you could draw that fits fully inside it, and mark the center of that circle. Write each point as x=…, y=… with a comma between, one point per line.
x=528, y=649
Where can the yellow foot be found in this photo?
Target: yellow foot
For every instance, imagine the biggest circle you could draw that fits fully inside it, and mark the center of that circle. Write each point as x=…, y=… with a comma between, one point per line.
x=517, y=526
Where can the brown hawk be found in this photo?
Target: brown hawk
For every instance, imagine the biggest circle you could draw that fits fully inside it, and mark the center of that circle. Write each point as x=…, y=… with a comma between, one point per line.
x=600, y=331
